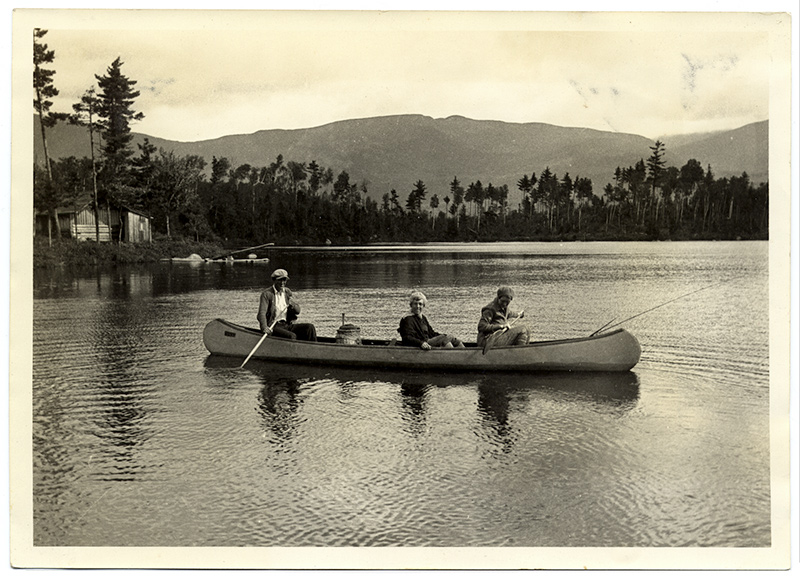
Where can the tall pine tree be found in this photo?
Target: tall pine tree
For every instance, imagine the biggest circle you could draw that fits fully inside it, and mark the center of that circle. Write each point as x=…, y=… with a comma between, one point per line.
x=117, y=96
x=47, y=195
x=655, y=165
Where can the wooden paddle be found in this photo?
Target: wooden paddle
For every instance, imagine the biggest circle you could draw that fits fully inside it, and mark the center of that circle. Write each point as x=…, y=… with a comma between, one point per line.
x=486, y=345
x=263, y=337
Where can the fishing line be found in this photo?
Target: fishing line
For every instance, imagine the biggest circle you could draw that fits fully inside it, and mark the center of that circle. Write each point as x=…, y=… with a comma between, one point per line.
x=607, y=326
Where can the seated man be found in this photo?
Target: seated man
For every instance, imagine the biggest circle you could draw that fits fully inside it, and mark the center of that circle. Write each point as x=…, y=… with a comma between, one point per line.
x=277, y=311
x=498, y=323
x=417, y=332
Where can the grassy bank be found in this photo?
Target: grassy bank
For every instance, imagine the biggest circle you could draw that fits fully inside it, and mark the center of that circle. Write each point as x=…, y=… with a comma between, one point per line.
x=68, y=252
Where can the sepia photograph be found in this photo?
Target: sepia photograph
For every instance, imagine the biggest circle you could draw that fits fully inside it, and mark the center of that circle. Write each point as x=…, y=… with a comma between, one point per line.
x=400, y=289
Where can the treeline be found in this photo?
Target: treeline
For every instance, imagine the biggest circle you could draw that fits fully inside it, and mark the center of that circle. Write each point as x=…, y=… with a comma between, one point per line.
x=295, y=202
x=300, y=201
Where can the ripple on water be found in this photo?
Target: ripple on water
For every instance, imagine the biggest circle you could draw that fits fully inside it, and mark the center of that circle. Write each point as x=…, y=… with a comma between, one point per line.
x=140, y=438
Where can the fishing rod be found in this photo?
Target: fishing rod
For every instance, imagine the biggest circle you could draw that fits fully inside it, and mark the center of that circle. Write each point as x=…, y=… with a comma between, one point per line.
x=603, y=327
x=608, y=326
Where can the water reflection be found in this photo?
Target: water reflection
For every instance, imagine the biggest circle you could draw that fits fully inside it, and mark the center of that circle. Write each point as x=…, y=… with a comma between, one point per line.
x=278, y=406
x=499, y=395
x=414, y=402
x=619, y=390
x=93, y=283
x=493, y=407
x=502, y=396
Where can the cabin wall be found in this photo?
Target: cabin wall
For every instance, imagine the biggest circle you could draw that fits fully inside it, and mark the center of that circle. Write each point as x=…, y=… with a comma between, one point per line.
x=114, y=225
x=136, y=228
x=83, y=228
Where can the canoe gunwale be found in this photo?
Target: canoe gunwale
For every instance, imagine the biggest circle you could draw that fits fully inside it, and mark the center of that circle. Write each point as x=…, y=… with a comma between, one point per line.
x=367, y=342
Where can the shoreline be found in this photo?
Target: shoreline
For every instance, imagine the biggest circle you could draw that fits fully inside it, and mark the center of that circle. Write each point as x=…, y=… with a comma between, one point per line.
x=72, y=253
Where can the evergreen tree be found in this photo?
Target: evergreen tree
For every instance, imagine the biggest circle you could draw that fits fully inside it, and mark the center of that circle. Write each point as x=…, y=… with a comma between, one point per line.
x=476, y=195
x=415, y=197
x=655, y=171
x=117, y=96
x=526, y=186
x=655, y=165
x=583, y=192
x=314, y=176
x=297, y=173
x=143, y=176
x=395, y=199
x=43, y=85
x=458, y=198
x=342, y=187
x=46, y=196
x=690, y=176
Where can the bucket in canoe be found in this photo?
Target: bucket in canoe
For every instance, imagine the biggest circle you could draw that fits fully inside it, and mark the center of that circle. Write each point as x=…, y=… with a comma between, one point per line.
x=348, y=335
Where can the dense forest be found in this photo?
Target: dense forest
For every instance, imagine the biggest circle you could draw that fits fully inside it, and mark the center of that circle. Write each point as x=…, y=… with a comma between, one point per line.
x=297, y=201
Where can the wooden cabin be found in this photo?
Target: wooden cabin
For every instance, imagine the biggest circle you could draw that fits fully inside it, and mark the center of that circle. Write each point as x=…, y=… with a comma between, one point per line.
x=116, y=223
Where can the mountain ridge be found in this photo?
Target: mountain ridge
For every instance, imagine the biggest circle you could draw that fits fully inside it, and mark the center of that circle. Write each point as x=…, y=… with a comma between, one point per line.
x=394, y=152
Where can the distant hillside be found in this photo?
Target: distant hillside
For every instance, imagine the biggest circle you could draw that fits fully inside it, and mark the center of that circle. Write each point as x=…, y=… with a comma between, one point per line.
x=731, y=152
x=394, y=152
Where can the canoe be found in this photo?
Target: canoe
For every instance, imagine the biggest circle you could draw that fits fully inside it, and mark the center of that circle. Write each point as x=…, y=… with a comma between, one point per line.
x=616, y=350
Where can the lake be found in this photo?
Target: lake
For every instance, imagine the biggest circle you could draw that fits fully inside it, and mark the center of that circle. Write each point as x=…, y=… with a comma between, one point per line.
x=140, y=438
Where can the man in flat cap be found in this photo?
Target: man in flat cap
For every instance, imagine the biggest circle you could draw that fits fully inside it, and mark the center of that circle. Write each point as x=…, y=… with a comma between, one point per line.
x=278, y=310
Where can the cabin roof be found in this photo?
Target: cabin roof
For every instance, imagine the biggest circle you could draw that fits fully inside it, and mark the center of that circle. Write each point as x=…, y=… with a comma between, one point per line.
x=84, y=201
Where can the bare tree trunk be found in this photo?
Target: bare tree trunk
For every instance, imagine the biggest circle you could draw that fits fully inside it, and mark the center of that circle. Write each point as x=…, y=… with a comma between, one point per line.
x=94, y=185
x=108, y=220
x=49, y=171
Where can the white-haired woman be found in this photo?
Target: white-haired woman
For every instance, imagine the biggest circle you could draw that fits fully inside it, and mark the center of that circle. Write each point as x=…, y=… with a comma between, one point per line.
x=416, y=331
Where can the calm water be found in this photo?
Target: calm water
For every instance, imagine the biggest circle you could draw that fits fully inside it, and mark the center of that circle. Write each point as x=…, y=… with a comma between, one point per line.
x=142, y=439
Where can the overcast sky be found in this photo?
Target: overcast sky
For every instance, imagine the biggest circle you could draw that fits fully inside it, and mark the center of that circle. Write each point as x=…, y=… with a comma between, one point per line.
x=213, y=76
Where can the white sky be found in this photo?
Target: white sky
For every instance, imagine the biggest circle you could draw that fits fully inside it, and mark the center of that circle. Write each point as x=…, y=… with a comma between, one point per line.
x=225, y=73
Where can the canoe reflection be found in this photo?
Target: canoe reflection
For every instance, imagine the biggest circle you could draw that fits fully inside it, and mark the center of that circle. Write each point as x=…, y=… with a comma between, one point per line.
x=612, y=388
x=506, y=405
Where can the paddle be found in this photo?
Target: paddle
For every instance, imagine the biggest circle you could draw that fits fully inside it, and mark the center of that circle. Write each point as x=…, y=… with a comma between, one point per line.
x=260, y=341
x=486, y=345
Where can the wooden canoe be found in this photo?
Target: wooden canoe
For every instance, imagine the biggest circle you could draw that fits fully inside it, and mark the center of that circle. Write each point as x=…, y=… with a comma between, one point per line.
x=616, y=350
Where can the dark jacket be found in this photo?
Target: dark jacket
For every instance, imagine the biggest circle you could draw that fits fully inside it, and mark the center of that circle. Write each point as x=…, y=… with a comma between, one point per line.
x=415, y=331
x=267, y=310
x=493, y=318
